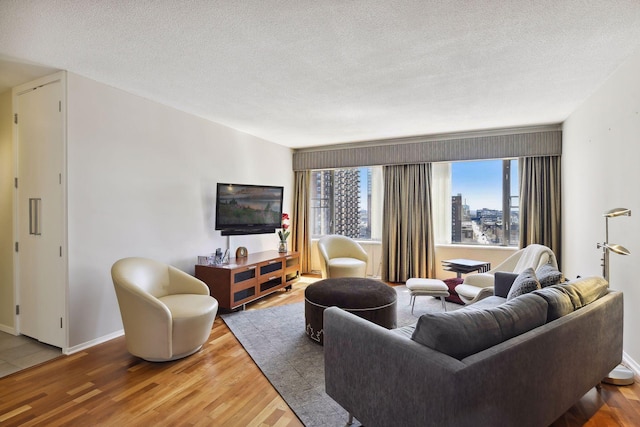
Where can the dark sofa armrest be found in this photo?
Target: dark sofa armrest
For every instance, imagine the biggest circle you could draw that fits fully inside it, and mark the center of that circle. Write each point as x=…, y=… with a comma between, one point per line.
x=369, y=369
x=503, y=282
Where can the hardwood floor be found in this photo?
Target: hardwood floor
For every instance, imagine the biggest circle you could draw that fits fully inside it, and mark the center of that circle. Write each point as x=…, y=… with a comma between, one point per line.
x=218, y=386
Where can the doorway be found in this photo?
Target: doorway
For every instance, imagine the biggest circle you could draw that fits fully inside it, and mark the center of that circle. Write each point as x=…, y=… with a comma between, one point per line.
x=40, y=274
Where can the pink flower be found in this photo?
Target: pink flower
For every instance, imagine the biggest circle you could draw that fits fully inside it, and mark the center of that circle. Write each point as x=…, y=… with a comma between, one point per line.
x=283, y=234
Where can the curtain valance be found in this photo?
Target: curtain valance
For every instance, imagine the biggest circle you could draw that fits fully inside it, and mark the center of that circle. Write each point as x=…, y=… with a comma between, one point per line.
x=547, y=142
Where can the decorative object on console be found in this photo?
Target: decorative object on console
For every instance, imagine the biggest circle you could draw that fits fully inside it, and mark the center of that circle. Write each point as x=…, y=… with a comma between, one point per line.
x=283, y=233
x=241, y=252
x=621, y=375
x=218, y=258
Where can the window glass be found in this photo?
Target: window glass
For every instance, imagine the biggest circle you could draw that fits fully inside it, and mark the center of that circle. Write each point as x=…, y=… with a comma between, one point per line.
x=349, y=202
x=482, y=192
x=346, y=202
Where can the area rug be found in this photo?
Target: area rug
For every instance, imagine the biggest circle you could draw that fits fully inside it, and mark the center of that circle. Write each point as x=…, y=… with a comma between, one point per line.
x=275, y=340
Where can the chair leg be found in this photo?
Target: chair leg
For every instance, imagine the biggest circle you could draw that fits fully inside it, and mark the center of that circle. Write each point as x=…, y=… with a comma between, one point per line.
x=350, y=422
x=414, y=303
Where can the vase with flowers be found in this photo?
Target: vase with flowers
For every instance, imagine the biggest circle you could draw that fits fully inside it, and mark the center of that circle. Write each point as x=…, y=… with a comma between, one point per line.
x=283, y=234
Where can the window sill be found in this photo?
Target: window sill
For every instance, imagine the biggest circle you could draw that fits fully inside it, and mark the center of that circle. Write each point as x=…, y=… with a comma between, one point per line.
x=477, y=247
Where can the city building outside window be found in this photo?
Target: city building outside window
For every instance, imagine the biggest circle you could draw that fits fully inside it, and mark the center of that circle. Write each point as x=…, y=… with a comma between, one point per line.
x=485, y=202
x=347, y=202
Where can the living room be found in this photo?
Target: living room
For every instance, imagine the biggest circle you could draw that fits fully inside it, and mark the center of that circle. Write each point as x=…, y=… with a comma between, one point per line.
x=141, y=177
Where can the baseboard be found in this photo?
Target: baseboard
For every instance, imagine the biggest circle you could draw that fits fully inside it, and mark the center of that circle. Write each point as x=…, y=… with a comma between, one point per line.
x=8, y=329
x=85, y=345
x=631, y=364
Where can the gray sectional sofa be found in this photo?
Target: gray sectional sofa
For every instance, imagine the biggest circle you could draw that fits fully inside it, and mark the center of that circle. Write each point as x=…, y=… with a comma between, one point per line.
x=518, y=362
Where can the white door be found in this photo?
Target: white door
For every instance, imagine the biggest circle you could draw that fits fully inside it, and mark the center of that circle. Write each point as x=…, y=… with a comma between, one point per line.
x=41, y=268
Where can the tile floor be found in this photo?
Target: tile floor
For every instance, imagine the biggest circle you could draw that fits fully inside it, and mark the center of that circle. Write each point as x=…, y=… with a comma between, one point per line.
x=21, y=352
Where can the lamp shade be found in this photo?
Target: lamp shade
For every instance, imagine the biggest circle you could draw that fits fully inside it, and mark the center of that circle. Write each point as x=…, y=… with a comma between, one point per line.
x=617, y=212
x=618, y=249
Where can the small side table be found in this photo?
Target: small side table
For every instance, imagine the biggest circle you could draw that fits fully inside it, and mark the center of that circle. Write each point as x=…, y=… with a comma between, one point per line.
x=463, y=266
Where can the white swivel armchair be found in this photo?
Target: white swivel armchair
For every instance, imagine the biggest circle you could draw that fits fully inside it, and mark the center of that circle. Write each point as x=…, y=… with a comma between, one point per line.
x=341, y=256
x=478, y=286
x=167, y=314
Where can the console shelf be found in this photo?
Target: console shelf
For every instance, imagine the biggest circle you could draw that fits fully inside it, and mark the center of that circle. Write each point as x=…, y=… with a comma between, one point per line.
x=246, y=279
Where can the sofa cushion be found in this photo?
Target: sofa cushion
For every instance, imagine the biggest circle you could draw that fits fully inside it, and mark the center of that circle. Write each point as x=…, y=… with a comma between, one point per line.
x=503, y=282
x=584, y=291
x=525, y=282
x=458, y=333
x=559, y=302
x=462, y=333
x=519, y=315
x=548, y=275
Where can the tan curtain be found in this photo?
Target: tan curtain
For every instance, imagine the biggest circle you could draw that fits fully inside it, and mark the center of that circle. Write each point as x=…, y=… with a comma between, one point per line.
x=300, y=229
x=407, y=233
x=540, y=202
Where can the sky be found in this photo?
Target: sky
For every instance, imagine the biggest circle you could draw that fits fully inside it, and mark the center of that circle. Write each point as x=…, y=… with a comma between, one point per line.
x=363, y=188
x=480, y=183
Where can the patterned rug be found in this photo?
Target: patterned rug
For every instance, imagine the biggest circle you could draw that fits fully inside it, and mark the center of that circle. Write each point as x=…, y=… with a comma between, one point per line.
x=275, y=339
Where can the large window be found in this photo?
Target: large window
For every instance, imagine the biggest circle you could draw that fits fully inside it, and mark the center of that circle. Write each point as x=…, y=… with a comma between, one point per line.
x=469, y=198
x=347, y=202
x=484, y=202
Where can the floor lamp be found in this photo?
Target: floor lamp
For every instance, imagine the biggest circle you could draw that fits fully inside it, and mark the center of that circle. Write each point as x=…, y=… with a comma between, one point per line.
x=620, y=375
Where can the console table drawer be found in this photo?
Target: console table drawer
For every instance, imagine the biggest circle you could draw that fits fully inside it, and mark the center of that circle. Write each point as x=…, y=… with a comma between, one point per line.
x=244, y=274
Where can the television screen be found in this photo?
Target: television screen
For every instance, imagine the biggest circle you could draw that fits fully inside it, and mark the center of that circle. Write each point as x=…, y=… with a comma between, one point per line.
x=248, y=209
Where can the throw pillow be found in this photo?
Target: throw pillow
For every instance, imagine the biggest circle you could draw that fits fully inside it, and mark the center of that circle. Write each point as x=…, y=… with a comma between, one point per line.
x=520, y=315
x=525, y=282
x=503, y=282
x=585, y=290
x=559, y=302
x=548, y=275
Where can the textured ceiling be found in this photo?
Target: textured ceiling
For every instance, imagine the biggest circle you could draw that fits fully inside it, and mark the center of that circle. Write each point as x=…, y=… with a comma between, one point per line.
x=306, y=73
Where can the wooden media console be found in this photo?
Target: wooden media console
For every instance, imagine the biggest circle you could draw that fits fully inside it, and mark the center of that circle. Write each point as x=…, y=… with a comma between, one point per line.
x=243, y=280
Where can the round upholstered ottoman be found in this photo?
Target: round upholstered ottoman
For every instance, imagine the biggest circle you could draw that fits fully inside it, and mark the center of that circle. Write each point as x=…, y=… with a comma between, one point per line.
x=367, y=298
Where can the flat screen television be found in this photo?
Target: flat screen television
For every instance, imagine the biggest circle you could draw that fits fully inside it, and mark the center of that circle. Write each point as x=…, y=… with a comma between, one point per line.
x=248, y=209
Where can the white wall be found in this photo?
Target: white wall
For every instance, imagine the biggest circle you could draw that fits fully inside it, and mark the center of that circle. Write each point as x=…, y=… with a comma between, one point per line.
x=142, y=182
x=601, y=171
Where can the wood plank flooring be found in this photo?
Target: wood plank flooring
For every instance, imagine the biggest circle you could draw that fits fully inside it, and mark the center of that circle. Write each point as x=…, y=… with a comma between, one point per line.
x=218, y=386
